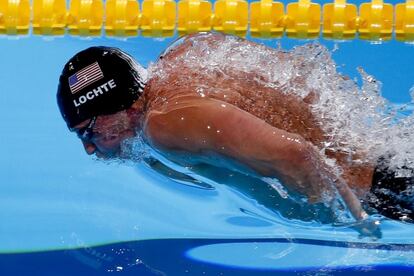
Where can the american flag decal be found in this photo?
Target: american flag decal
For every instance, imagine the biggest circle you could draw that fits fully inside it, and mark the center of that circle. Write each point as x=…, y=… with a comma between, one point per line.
x=85, y=77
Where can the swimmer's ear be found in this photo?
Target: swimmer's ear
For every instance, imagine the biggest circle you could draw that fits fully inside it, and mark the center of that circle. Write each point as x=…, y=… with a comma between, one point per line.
x=89, y=147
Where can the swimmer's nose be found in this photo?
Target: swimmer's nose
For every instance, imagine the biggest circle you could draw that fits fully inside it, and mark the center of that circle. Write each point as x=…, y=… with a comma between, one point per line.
x=89, y=148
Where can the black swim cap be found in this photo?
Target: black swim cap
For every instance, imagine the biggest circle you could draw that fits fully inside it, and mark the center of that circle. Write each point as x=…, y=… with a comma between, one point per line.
x=98, y=81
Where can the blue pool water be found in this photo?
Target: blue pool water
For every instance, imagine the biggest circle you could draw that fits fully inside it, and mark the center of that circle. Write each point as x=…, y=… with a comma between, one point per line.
x=65, y=213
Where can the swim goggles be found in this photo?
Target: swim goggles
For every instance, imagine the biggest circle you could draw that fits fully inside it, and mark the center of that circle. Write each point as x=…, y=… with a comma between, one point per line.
x=86, y=133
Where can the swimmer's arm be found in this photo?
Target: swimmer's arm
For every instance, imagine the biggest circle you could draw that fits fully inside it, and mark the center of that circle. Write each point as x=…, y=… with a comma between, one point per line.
x=205, y=126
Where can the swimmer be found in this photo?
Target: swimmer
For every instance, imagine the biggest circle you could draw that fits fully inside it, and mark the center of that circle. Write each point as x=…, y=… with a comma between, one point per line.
x=106, y=97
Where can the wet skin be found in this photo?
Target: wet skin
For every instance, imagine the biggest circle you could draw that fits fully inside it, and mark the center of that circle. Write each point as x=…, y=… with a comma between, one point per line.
x=270, y=131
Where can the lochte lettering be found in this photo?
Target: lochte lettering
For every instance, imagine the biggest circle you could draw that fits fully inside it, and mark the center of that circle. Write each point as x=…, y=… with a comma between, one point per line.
x=96, y=92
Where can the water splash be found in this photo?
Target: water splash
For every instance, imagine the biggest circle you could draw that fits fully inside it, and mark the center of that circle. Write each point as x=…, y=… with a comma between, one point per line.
x=355, y=119
x=135, y=149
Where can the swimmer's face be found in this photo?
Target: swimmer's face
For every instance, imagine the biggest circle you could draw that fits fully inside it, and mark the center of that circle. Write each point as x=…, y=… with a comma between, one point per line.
x=107, y=133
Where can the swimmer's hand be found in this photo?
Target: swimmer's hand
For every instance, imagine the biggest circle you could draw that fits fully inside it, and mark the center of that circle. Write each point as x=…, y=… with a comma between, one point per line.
x=368, y=227
x=203, y=126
